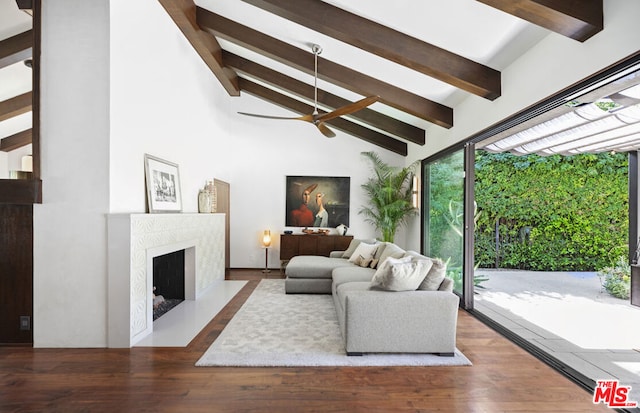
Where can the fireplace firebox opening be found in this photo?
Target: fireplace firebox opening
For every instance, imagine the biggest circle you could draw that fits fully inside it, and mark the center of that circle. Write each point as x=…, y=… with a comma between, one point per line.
x=168, y=282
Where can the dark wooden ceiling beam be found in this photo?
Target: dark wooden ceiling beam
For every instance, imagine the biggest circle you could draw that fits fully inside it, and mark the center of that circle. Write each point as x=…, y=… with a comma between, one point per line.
x=370, y=117
x=578, y=20
x=183, y=13
x=26, y=6
x=344, y=125
x=16, y=141
x=388, y=43
x=15, y=106
x=332, y=72
x=16, y=49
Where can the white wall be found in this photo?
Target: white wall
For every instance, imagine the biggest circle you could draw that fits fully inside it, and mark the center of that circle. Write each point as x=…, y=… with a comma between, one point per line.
x=555, y=63
x=70, y=226
x=137, y=88
x=166, y=102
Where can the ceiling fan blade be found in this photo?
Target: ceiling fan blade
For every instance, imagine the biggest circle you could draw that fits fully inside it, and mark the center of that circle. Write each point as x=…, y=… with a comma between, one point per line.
x=306, y=118
x=347, y=109
x=325, y=130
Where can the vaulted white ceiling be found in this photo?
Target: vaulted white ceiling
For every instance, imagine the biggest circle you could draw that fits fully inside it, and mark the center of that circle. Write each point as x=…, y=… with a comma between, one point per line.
x=478, y=41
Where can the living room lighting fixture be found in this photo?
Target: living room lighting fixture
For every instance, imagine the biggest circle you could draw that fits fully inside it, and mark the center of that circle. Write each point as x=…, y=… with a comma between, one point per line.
x=266, y=238
x=266, y=243
x=414, y=191
x=315, y=117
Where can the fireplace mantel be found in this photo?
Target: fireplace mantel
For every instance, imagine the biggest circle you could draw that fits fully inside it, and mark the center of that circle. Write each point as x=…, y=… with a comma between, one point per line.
x=133, y=240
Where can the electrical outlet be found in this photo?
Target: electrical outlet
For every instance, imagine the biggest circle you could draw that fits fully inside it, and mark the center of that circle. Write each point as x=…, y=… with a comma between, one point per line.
x=25, y=322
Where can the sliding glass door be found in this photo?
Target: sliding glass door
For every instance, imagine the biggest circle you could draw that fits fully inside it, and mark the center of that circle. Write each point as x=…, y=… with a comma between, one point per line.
x=446, y=225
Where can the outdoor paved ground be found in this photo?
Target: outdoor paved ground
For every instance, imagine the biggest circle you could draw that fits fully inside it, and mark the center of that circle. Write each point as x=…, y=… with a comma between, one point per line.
x=570, y=316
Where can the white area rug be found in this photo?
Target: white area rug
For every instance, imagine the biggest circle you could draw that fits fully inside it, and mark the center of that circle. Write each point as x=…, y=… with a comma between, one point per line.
x=276, y=329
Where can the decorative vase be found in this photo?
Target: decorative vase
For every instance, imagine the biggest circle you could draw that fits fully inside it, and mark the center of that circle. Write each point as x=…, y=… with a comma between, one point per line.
x=213, y=193
x=207, y=198
x=204, y=201
x=342, y=229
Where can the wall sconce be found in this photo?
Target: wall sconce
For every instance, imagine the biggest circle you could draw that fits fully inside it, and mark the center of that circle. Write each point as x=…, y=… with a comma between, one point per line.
x=266, y=243
x=414, y=192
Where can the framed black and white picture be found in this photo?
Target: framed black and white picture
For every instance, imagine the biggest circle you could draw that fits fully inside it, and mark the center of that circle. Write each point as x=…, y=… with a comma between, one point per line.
x=163, y=185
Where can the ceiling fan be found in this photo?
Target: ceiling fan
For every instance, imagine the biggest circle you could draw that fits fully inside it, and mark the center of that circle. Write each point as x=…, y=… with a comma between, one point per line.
x=315, y=117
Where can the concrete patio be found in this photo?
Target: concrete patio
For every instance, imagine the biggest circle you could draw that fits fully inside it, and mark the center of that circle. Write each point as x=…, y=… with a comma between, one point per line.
x=571, y=317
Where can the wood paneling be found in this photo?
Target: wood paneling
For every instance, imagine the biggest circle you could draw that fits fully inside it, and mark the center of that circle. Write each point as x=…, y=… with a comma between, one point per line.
x=16, y=272
x=388, y=43
x=503, y=378
x=35, y=90
x=20, y=191
x=223, y=202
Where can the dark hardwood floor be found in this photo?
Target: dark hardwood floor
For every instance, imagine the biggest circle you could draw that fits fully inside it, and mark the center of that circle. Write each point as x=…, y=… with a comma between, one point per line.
x=503, y=378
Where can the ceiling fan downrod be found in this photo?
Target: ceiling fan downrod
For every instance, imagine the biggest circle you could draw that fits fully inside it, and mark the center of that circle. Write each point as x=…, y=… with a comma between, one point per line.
x=316, y=49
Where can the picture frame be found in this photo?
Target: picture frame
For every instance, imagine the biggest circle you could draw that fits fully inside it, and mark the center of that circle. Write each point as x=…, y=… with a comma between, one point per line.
x=305, y=194
x=162, y=179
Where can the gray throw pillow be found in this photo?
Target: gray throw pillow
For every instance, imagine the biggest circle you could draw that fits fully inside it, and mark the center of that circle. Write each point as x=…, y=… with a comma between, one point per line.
x=390, y=250
x=435, y=275
x=351, y=248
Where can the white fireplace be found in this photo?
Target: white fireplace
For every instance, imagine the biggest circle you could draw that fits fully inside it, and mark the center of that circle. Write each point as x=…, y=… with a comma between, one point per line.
x=189, y=248
x=134, y=240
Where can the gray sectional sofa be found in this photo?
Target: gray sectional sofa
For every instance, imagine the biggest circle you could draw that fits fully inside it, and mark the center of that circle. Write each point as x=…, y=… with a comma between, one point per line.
x=394, y=301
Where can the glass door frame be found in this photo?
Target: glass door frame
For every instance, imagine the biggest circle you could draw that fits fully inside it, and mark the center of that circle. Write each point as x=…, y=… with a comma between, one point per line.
x=466, y=298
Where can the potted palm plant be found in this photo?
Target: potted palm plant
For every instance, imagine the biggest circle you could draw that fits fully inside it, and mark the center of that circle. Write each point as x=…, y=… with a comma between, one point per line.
x=390, y=193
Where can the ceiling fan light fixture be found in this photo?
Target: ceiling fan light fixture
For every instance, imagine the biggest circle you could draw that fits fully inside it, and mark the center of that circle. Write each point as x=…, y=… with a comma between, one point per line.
x=316, y=118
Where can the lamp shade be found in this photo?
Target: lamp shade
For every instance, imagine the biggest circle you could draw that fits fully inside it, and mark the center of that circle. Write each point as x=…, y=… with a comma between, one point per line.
x=266, y=238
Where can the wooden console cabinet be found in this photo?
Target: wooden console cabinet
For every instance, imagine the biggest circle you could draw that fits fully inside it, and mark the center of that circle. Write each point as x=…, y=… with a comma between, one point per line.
x=310, y=244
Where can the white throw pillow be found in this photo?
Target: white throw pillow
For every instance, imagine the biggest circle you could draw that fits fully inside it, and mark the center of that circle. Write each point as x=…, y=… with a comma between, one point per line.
x=364, y=250
x=385, y=266
x=354, y=244
x=384, y=270
x=405, y=276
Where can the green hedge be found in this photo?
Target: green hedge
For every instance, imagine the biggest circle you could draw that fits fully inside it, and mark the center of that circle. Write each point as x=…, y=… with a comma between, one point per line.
x=556, y=213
